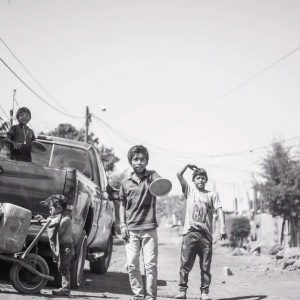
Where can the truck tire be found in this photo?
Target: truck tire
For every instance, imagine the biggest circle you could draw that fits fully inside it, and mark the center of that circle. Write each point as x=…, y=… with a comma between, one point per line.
x=24, y=281
x=77, y=263
x=101, y=265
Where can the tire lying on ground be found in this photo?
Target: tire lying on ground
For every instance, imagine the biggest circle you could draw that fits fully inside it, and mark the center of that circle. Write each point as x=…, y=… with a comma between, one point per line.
x=101, y=265
x=25, y=281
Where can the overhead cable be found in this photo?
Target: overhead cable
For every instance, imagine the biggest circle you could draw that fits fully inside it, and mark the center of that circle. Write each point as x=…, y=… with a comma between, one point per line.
x=130, y=139
x=36, y=94
x=31, y=75
x=229, y=92
x=163, y=156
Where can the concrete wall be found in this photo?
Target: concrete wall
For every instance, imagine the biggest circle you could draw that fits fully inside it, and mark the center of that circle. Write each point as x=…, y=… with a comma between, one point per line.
x=268, y=233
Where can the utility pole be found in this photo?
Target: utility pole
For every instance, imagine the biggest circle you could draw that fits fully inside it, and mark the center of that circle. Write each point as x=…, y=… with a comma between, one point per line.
x=87, y=123
x=260, y=206
x=13, y=108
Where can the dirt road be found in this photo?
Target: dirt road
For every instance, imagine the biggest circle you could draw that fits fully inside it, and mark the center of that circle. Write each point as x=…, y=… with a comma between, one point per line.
x=254, y=278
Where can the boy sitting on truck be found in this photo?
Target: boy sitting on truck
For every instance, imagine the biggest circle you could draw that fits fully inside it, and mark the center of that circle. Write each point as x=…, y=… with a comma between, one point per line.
x=20, y=137
x=60, y=238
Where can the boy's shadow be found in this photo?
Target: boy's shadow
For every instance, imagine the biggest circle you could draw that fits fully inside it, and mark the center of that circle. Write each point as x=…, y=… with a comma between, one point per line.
x=252, y=297
x=111, y=282
x=43, y=294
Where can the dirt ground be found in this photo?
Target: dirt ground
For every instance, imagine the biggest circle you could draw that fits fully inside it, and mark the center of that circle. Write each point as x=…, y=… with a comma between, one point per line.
x=253, y=278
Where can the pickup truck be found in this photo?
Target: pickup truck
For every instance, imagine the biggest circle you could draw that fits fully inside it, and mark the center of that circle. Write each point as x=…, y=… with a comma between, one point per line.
x=74, y=169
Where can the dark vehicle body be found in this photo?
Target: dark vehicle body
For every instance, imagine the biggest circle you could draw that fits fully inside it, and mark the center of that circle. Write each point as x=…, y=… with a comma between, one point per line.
x=74, y=169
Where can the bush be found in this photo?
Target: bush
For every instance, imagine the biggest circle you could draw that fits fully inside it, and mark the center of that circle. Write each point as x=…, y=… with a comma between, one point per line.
x=239, y=230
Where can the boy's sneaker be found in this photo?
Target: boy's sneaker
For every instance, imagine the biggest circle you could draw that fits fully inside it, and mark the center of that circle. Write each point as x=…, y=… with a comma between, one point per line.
x=205, y=297
x=181, y=295
x=61, y=292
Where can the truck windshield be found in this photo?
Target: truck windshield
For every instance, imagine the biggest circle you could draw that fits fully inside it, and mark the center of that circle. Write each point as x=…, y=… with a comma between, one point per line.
x=64, y=156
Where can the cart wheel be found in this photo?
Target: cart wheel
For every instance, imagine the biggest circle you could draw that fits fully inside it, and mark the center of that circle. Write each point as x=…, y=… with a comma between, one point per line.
x=25, y=281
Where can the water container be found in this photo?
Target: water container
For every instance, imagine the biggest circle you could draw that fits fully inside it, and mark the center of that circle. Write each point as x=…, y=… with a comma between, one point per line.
x=14, y=226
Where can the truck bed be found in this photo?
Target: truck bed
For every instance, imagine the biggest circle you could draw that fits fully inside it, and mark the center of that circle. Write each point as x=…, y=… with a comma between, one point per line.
x=27, y=184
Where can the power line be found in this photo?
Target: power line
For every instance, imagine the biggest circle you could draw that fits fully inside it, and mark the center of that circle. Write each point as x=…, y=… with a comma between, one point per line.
x=31, y=75
x=189, y=156
x=116, y=131
x=162, y=156
x=132, y=140
x=179, y=159
x=229, y=92
x=36, y=94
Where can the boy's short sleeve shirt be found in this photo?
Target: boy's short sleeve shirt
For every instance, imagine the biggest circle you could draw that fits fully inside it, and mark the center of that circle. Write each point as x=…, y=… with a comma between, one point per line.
x=65, y=230
x=200, y=207
x=139, y=203
x=23, y=135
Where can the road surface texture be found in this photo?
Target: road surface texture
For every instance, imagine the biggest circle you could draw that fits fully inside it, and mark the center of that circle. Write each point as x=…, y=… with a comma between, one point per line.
x=254, y=277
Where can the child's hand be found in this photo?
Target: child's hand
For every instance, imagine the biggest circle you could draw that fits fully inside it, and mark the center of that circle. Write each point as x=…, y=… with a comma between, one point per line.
x=124, y=233
x=16, y=145
x=223, y=234
x=39, y=218
x=193, y=167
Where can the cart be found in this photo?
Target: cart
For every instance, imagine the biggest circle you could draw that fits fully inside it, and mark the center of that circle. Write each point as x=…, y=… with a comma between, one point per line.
x=30, y=272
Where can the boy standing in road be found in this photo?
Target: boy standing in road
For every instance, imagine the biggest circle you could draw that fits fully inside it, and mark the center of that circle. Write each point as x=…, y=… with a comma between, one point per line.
x=197, y=230
x=21, y=136
x=138, y=223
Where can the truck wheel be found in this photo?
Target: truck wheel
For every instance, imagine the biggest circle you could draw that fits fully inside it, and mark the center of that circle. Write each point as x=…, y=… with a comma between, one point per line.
x=77, y=263
x=101, y=265
x=24, y=281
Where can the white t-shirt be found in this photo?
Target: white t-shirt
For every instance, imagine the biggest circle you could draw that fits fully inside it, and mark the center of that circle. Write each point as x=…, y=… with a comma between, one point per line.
x=200, y=207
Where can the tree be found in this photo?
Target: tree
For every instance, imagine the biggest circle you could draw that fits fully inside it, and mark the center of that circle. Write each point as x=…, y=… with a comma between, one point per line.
x=116, y=179
x=70, y=132
x=280, y=189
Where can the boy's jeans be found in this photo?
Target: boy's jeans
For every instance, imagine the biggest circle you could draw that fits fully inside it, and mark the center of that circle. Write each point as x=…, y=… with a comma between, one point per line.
x=145, y=240
x=195, y=243
x=66, y=252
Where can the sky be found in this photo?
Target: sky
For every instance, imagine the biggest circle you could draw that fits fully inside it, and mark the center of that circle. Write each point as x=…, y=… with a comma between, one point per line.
x=210, y=83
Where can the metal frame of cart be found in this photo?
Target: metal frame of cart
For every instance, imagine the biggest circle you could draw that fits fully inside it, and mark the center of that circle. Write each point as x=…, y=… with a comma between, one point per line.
x=30, y=272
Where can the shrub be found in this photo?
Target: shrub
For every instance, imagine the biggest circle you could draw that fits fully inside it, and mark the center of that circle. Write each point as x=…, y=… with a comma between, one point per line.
x=239, y=230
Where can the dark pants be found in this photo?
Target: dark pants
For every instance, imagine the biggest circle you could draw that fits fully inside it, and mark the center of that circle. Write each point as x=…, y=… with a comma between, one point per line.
x=66, y=252
x=26, y=158
x=195, y=243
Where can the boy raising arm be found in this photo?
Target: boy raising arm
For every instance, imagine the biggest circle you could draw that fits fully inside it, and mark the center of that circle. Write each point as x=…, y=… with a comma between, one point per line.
x=197, y=230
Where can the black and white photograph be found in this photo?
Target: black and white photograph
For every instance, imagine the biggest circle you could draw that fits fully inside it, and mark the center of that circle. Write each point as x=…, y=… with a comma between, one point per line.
x=150, y=149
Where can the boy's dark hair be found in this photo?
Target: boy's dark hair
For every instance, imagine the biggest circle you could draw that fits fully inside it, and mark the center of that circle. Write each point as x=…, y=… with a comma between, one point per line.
x=22, y=110
x=56, y=200
x=201, y=172
x=137, y=149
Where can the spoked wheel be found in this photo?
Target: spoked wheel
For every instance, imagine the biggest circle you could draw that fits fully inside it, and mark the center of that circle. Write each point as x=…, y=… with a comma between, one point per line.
x=26, y=282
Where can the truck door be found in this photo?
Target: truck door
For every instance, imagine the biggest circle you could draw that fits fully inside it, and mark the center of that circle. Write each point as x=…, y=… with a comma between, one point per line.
x=106, y=214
